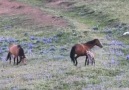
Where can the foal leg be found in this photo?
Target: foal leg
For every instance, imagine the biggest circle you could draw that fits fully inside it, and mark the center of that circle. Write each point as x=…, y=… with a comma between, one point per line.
x=93, y=61
x=85, y=60
x=17, y=60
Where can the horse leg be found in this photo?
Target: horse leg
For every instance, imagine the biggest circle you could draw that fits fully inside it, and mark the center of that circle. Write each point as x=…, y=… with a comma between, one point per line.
x=14, y=60
x=76, y=60
x=86, y=61
x=8, y=56
x=17, y=60
x=10, y=59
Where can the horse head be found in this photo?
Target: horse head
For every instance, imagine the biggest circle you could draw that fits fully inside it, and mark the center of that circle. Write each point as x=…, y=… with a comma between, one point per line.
x=98, y=43
x=21, y=54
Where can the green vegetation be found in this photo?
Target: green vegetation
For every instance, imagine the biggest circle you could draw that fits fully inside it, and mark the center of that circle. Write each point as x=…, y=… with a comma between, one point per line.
x=47, y=47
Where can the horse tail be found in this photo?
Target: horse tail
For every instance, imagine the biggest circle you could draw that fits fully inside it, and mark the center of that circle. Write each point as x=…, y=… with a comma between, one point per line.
x=72, y=53
x=8, y=56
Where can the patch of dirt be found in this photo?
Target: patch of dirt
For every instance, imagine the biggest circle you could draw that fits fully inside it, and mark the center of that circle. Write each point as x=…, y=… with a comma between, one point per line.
x=11, y=7
x=89, y=1
x=52, y=0
x=60, y=4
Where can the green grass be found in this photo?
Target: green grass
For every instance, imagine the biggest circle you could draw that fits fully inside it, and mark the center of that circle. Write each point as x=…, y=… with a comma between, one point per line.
x=53, y=70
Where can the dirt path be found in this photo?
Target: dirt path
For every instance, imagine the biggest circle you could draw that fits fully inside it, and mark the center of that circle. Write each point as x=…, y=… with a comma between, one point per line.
x=8, y=7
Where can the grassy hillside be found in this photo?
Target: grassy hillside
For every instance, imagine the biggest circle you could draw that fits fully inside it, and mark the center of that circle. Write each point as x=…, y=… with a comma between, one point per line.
x=47, y=46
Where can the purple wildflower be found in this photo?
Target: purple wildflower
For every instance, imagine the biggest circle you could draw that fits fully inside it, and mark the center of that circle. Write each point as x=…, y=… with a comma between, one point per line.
x=29, y=51
x=1, y=51
x=11, y=40
x=127, y=57
x=47, y=40
x=30, y=45
x=55, y=38
x=7, y=27
x=2, y=39
x=32, y=38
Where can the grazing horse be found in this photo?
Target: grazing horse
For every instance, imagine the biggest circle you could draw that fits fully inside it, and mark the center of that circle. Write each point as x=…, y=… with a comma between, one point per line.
x=81, y=49
x=17, y=51
x=90, y=56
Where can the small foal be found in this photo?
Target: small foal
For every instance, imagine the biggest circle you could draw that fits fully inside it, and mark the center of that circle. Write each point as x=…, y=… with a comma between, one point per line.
x=91, y=57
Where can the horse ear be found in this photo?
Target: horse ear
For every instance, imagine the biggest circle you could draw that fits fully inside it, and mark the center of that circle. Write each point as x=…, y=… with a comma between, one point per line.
x=96, y=40
x=19, y=46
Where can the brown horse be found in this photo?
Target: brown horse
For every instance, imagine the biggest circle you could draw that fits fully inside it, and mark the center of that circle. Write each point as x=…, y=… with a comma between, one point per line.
x=81, y=49
x=17, y=51
x=90, y=56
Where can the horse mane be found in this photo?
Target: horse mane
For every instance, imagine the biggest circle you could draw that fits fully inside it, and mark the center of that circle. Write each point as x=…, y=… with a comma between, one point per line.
x=91, y=42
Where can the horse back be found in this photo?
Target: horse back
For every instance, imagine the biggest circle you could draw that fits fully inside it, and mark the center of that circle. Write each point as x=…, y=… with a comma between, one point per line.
x=81, y=49
x=13, y=49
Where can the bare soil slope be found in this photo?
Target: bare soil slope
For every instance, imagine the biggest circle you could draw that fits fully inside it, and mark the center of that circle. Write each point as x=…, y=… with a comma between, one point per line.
x=11, y=7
